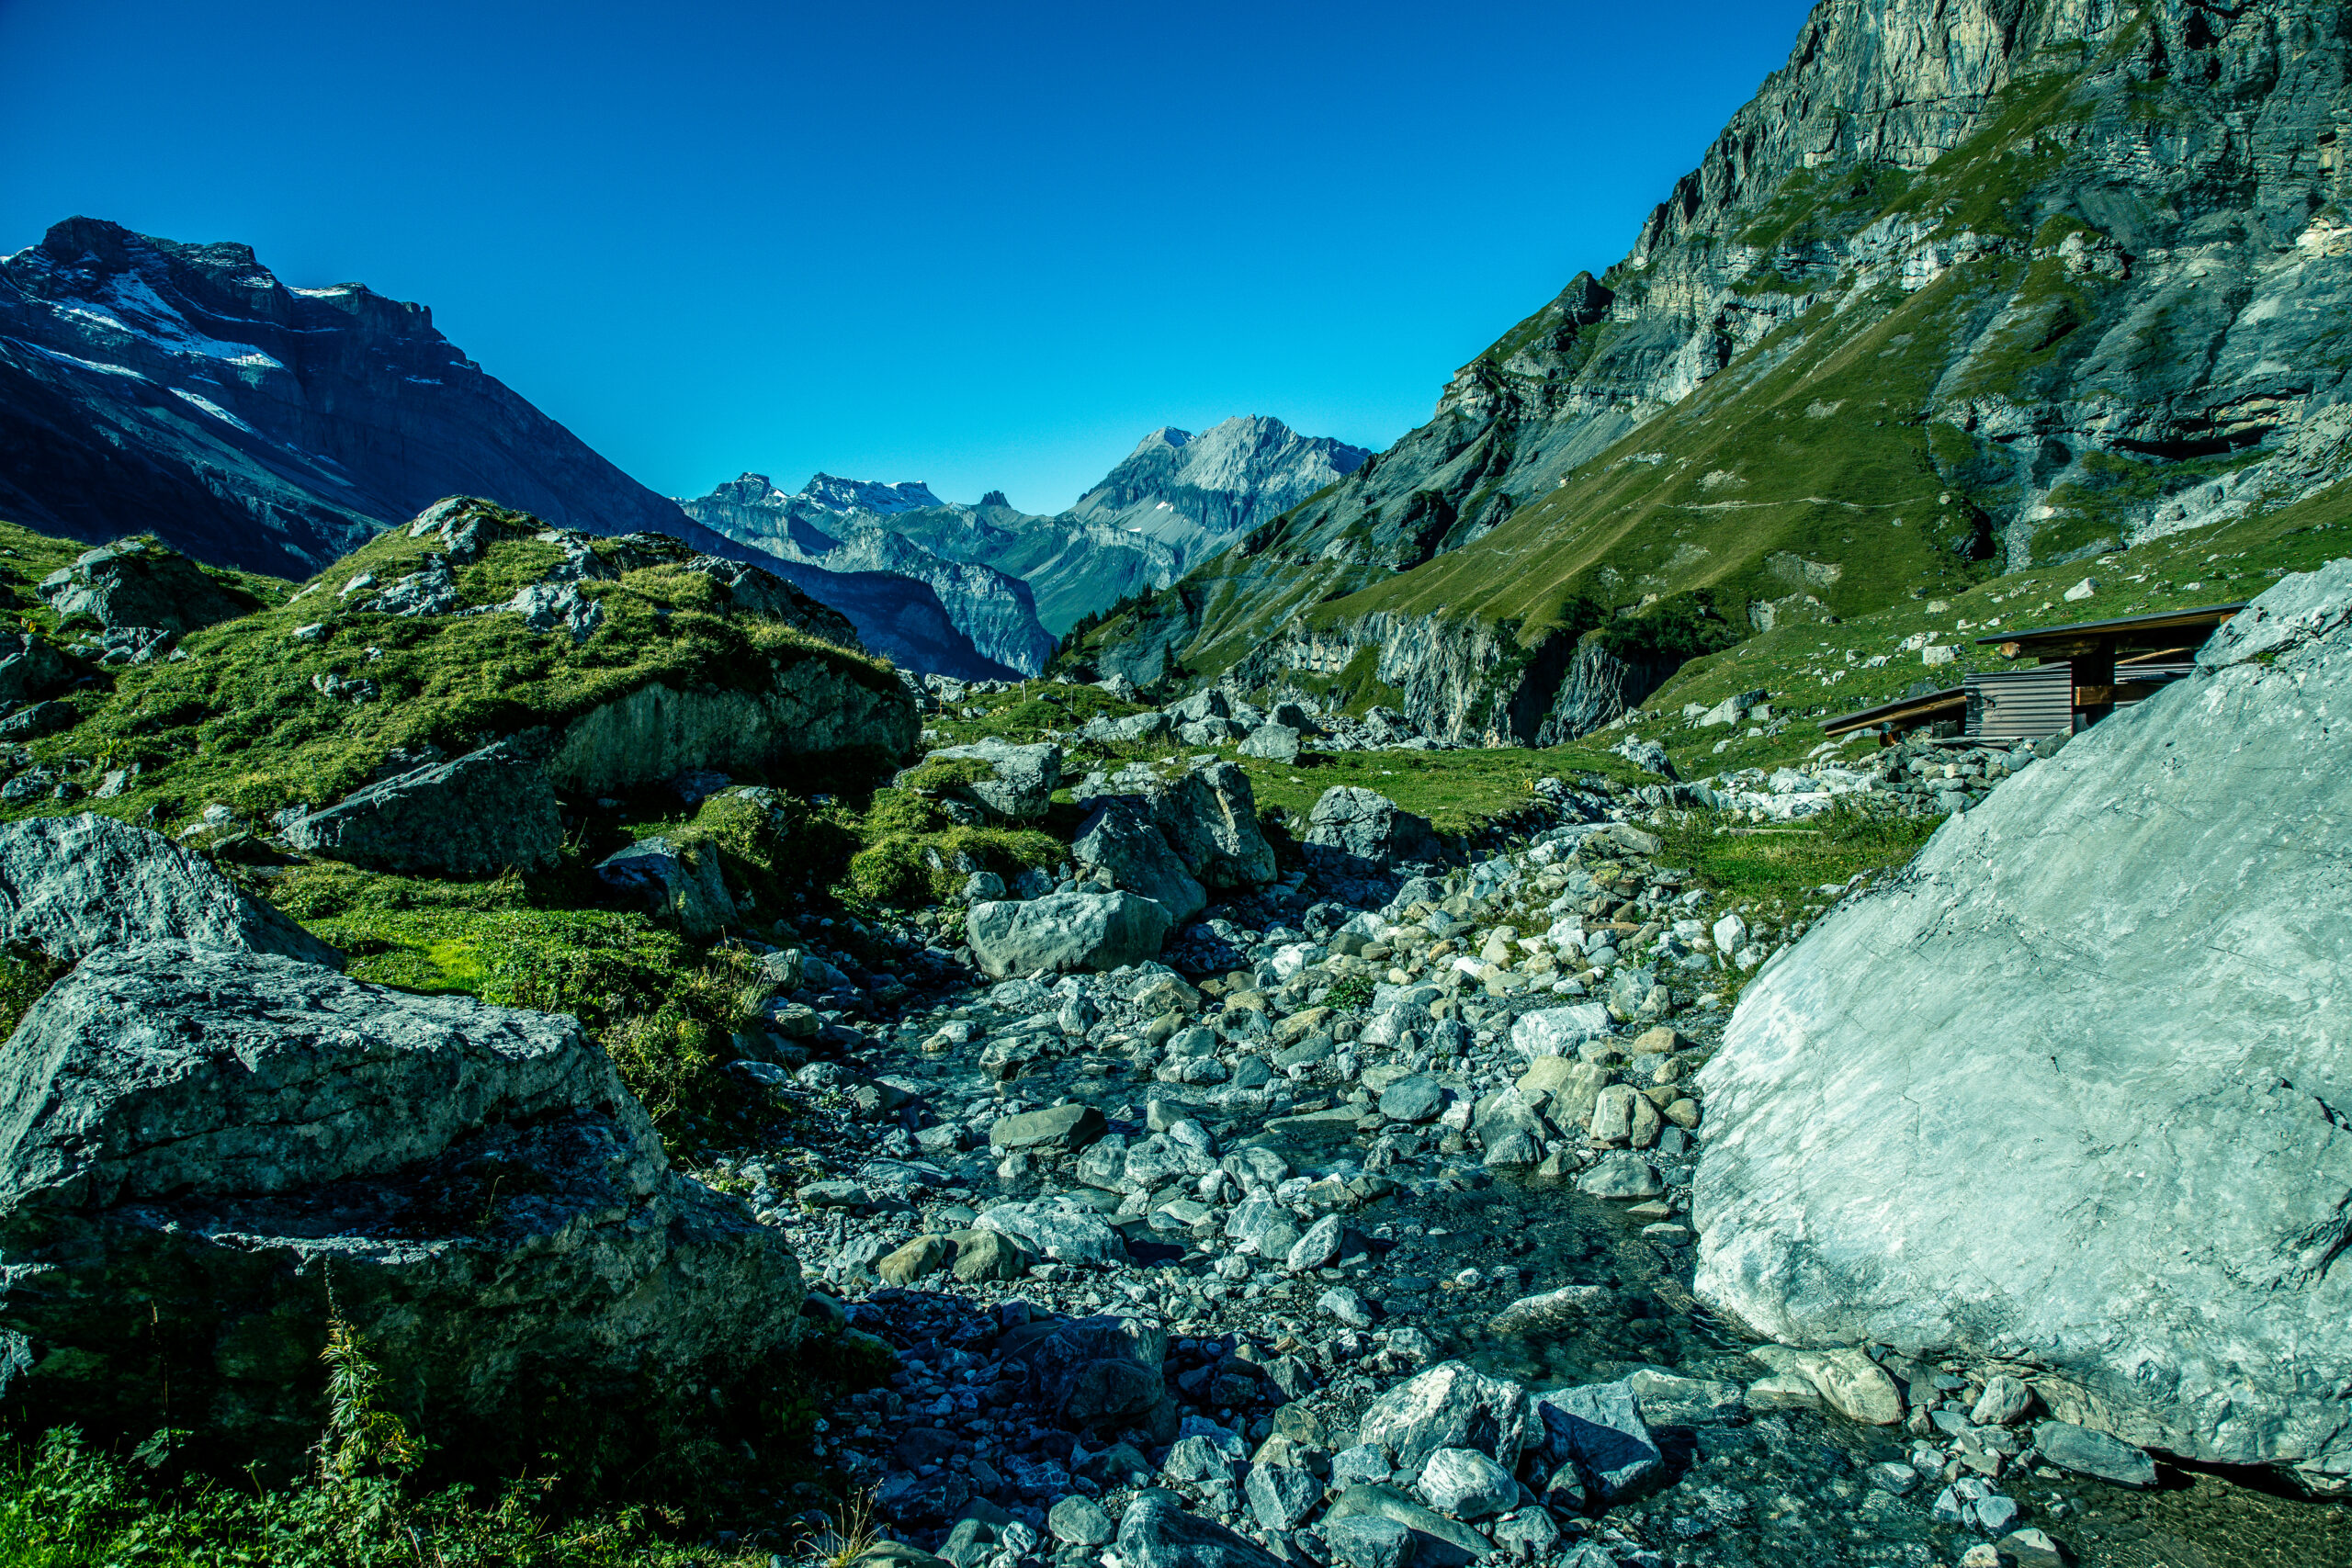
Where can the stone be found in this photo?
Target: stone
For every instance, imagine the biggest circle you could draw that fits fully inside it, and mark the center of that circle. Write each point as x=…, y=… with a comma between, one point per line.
x=1211, y=819
x=676, y=880
x=473, y=816
x=1020, y=781
x=1466, y=1483
x=2004, y=1399
x=988, y=1255
x=1062, y=1228
x=1101, y=1372
x=1527, y=1534
x=1622, y=1174
x=2080, y=1448
x=1855, y=1386
x=1599, y=1429
x=1558, y=1032
x=70, y=886
x=1437, y=1540
x=1345, y=1305
x=1157, y=1532
x=1363, y=1462
x=1060, y=1127
x=1552, y=1311
x=216, y=1135
x=1369, y=1540
x=1451, y=1406
x=1365, y=831
x=1415, y=1099
x=1273, y=742
x=32, y=668
x=1065, y=931
x=1666, y=1400
x=138, y=582
x=1281, y=1496
x=1121, y=839
x=1784, y=1390
x=1565, y=1090
x=1317, y=1247
x=1196, y=1459
x=1079, y=1521
x=920, y=1258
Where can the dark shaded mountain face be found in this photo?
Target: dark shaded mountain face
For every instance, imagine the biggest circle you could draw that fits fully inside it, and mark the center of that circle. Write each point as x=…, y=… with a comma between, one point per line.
x=1969, y=287
x=183, y=390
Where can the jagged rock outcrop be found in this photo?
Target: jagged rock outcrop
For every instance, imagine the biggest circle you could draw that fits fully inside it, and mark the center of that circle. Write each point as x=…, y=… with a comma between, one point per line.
x=70, y=886
x=472, y=816
x=209, y=1153
x=2067, y=1092
x=810, y=707
x=2069, y=263
x=1196, y=493
x=138, y=582
x=1063, y=931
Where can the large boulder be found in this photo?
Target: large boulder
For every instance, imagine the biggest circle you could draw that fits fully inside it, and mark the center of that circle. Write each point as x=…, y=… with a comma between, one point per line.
x=2071, y=1089
x=1211, y=820
x=1063, y=931
x=1102, y=1373
x=1156, y=1532
x=138, y=582
x=1452, y=1406
x=31, y=667
x=681, y=882
x=1362, y=830
x=473, y=816
x=70, y=886
x=1122, y=839
x=1020, y=781
x=206, y=1153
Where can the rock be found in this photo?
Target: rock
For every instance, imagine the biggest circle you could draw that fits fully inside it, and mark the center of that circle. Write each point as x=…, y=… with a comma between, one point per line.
x=1065, y=931
x=2079, y=1067
x=1450, y=1406
x=1599, y=1429
x=1364, y=1461
x=1784, y=1390
x=474, y=815
x=1273, y=742
x=1345, y=1305
x=1196, y=1459
x=1621, y=1175
x=1438, y=1541
x=1417, y=1099
x=679, y=881
x=1552, y=1312
x=1101, y=1372
x=1466, y=1483
x=1855, y=1386
x=39, y=719
x=1211, y=820
x=72, y=884
x=1156, y=1532
x=31, y=667
x=202, y=1131
x=1666, y=1400
x=138, y=582
x=1079, y=1521
x=1558, y=1032
x=1565, y=1089
x=1120, y=838
x=1317, y=1247
x=1056, y=1127
x=1021, y=779
x=1370, y=833
x=2004, y=1400
x=1527, y=1534
x=895, y=1554
x=1369, y=1540
x=1062, y=1228
x=988, y=1255
x=920, y=1258
x=1281, y=1496
x=2094, y=1454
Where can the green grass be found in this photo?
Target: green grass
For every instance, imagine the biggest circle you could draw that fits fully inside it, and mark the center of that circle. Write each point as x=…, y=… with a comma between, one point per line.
x=1788, y=866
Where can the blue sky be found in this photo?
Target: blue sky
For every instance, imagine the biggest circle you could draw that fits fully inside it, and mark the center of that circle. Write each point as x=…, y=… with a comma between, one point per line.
x=981, y=246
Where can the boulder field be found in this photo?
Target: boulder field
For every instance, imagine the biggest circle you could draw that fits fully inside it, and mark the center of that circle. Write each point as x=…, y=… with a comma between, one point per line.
x=2070, y=1092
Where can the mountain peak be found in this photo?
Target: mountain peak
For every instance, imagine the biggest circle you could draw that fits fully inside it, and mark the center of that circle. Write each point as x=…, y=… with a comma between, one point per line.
x=834, y=494
x=996, y=498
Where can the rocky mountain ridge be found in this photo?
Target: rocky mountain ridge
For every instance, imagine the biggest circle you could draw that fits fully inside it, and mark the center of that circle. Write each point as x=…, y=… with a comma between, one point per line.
x=1965, y=289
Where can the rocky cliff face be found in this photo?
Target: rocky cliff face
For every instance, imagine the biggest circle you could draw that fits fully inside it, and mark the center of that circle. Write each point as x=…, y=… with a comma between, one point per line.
x=1966, y=287
x=843, y=525
x=1196, y=494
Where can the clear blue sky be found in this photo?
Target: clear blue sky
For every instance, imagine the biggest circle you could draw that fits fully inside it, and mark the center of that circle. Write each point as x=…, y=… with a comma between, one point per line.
x=983, y=247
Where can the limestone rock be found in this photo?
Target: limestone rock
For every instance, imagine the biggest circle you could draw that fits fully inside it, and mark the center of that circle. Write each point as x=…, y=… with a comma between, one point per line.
x=138, y=582
x=1156, y=1532
x=1450, y=1406
x=1062, y=1228
x=1102, y=1373
x=1211, y=819
x=1466, y=1483
x=72, y=884
x=1599, y=1427
x=1121, y=839
x=1065, y=931
x=679, y=881
x=207, y=1139
x=2178, y=1027
x=474, y=815
x=31, y=667
x=1056, y=1128
x=1370, y=831
x=1021, y=781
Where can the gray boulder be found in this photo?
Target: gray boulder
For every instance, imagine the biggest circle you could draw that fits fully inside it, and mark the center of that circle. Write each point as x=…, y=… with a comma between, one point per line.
x=204, y=1141
x=682, y=881
x=138, y=582
x=1065, y=931
x=1201, y=705
x=72, y=884
x=2115, y=991
x=1365, y=831
x=1275, y=742
x=1156, y=1532
x=1122, y=839
x=31, y=667
x=1056, y=1127
x=2088, y=1452
x=1432, y=1539
x=1452, y=1406
x=473, y=816
x=1211, y=820
x=1135, y=728
x=1102, y=1373
x=1021, y=781
x=1599, y=1428
x=1063, y=1229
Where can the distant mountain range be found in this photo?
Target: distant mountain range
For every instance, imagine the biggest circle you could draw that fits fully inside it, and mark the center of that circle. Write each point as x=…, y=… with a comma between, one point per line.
x=183, y=390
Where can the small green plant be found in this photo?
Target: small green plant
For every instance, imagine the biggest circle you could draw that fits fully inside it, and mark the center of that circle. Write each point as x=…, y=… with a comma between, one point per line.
x=1352, y=992
x=360, y=1437
x=852, y=1534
